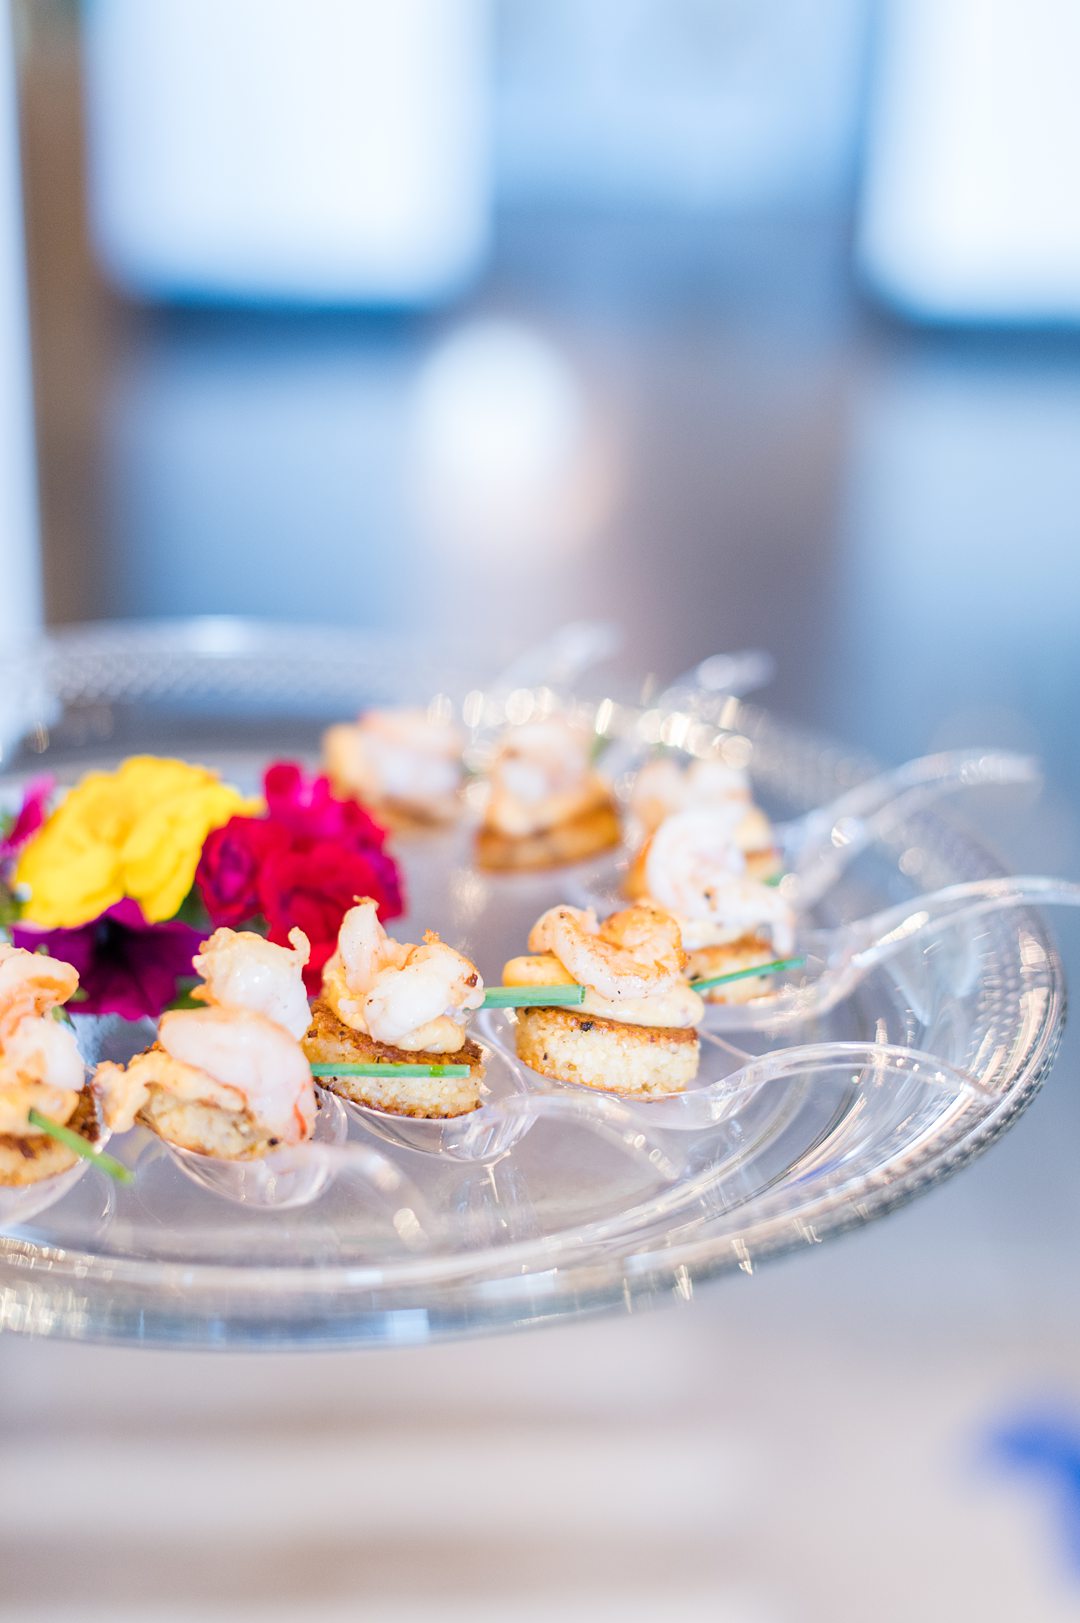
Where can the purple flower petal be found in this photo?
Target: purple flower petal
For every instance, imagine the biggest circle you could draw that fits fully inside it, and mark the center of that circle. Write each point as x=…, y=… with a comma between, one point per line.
x=126, y=966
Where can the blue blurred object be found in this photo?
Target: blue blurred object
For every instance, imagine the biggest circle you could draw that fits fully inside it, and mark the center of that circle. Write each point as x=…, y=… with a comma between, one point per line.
x=1048, y=1446
x=689, y=104
x=970, y=208
x=325, y=152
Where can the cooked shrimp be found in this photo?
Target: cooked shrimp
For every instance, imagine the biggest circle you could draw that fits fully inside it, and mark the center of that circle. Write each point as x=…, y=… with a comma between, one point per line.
x=255, y=1056
x=397, y=755
x=31, y=983
x=40, y=1064
x=43, y=1050
x=665, y=786
x=364, y=947
x=542, y=776
x=245, y=971
x=40, y=1069
x=692, y=856
x=633, y=953
x=420, y=1006
x=543, y=758
x=410, y=997
x=123, y=1090
x=232, y=1059
x=694, y=866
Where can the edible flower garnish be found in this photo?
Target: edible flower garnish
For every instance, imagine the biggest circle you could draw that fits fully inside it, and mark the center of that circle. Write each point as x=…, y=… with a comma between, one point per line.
x=126, y=965
x=137, y=832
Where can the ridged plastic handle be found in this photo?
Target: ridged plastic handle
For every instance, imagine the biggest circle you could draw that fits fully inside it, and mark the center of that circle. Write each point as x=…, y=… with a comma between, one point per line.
x=839, y=958
x=818, y=847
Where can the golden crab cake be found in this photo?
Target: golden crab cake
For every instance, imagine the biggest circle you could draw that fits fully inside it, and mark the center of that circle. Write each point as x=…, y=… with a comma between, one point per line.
x=642, y=1062
x=206, y=1129
x=726, y=959
x=330, y=1041
x=592, y=831
x=634, y=1031
x=36, y=1157
x=397, y=818
x=205, y=1126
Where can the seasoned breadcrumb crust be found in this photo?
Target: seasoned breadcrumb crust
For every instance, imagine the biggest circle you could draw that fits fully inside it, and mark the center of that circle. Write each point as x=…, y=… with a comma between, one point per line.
x=330, y=1040
x=206, y=1129
x=593, y=831
x=749, y=950
x=29, y=1160
x=644, y=1062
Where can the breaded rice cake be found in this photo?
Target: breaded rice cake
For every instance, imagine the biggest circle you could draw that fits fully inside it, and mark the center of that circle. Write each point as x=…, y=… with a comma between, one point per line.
x=594, y=830
x=644, y=1062
x=705, y=962
x=330, y=1040
x=29, y=1160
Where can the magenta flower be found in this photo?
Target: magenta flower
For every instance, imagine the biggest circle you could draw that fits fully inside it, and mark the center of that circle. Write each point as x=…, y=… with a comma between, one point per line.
x=311, y=811
x=126, y=966
x=28, y=820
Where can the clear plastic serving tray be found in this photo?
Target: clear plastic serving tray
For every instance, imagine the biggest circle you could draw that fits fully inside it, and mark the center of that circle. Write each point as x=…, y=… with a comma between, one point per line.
x=582, y=1204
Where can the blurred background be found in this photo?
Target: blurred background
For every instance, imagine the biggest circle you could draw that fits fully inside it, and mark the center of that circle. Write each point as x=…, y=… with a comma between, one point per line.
x=740, y=322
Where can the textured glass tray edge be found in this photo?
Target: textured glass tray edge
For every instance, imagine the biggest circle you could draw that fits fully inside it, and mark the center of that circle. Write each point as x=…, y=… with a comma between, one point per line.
x=211, y=1306
x=208, y=1306
x=592, y=1288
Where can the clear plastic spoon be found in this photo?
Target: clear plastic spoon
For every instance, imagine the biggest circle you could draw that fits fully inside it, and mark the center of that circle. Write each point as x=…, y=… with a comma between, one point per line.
x=297, y=1175
x=559, y=661
x=717, y=678
x=511, y=1107
x=713, y=1099
x=817, y=847
x=838, y=958
x=545, y=676
x=19, y=1205
x=699, y=698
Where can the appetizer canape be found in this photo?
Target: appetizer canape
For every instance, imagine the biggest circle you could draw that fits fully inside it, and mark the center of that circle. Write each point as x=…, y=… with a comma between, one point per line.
x=229, y=1080
x=41, y=1070
x=666, y=785
x=404, y=765
x=547, y=805
x=387, y=1002
x=634, y=1030
x=693, y=865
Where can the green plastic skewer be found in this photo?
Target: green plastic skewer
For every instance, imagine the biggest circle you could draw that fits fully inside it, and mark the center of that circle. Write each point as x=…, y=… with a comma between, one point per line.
x=527, y=997
x=774, y=968
x=80, y=1146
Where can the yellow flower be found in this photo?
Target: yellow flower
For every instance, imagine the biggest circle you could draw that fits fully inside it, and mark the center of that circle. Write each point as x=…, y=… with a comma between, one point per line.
x=134, y=832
